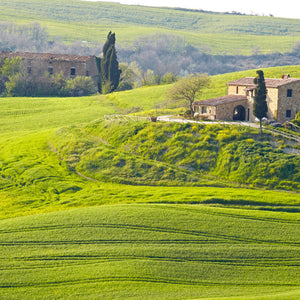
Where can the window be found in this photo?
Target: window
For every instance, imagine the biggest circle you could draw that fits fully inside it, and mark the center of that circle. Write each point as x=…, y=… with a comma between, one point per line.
x=237, y=90
x=73, y=72
x=204, y=110
x=289, y=93
x=50, y=70
x=87, y=73
x=288, y=113
x=29, y=70
x=250, y=94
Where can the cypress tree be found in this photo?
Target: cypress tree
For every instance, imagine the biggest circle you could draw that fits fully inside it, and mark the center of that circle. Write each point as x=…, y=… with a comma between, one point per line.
x=99, y=83
x=110, y=73
x=260, y=107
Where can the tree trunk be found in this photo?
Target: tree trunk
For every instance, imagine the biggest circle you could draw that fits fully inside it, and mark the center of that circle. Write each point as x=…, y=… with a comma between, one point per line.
x=192, y=108
x=260, y=127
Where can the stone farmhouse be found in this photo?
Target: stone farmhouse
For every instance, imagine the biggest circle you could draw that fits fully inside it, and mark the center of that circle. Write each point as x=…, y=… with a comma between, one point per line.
x=283, y=99
x=39, y=65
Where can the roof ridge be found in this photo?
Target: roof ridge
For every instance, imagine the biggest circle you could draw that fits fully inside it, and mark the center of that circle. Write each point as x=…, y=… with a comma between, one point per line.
x=35, y=55
x=270, y=82
x=221, y=100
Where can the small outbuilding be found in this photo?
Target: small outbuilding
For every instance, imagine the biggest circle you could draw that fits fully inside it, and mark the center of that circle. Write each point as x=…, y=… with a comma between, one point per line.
x=230, y=107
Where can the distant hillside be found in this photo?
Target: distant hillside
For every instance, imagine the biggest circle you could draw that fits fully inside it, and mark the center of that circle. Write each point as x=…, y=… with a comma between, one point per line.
x=90, y=21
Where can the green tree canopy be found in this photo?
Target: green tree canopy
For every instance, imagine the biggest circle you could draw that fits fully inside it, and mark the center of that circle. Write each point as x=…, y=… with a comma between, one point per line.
x=10, y=66
x=188, y=88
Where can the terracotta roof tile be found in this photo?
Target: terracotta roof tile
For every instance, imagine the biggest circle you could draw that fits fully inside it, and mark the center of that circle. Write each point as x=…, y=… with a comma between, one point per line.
x=221, y=100
x=272, y=83
x=45, y=56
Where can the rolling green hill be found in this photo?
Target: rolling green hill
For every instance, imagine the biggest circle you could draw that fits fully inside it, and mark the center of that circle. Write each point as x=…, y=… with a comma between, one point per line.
x=90, y=21
x=44, y=139
x=91, y=209
x=150, y=252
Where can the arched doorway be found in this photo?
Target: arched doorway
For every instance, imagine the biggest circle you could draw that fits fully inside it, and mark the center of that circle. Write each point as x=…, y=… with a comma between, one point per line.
x=239, y=113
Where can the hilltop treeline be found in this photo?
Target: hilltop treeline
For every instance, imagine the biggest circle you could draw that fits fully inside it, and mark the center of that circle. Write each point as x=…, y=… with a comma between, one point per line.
x=169, y=53
x=35, y=38
x=159, y=53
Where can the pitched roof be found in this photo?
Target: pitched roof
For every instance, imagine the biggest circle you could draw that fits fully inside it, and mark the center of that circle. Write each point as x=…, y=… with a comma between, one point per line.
x=45, y=56
x=272, y=83
x=221, y=100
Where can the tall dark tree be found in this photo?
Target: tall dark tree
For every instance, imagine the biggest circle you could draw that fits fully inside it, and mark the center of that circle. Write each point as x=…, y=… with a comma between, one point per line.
x=110, y=73
x=260, y=107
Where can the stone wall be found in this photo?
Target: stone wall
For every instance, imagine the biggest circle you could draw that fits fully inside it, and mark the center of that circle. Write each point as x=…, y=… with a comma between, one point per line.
x=225, y=111
x=288, y=103
x=69, y=69
x=220, y=111
x=236, y=90
x=248, y=105
x=209, y=112
x=272, y=102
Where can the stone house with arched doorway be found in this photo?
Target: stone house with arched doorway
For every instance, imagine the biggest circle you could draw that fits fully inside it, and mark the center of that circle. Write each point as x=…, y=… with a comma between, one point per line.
x=283, y=99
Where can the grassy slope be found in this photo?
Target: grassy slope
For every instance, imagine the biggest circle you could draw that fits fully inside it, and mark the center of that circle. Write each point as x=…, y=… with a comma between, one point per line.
x=25, y=115
x=161, y=250
x=73, y=20
x=32, y=171
x=147, y=96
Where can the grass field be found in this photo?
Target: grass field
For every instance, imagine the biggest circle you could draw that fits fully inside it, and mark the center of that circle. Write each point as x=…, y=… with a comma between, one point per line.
x=150, y=252
x=90, y=21
x=64, y=235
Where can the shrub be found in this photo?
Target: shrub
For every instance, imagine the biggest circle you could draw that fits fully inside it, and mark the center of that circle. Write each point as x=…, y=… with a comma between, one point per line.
x=168, y=78
x=158, y=151
x=124, y=86
x=258, y=164
x=80, y=86
x=20, y=86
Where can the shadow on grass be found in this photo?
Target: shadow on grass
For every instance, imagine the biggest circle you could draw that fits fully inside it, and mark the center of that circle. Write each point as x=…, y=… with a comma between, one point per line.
x=240, y=202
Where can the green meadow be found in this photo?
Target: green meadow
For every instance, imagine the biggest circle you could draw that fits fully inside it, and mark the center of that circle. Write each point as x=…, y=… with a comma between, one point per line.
x=150, y=252
x=95, y=209
x=91, y=21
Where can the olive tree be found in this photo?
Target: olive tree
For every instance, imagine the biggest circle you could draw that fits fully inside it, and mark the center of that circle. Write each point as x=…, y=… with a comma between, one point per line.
x=188, y=89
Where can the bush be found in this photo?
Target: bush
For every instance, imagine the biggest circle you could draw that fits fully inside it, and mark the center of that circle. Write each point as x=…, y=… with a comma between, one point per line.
x=80, y=86
x=258, y=164
x=124, y=86
x=142, y=152
x=168, y=78
x=19, y=86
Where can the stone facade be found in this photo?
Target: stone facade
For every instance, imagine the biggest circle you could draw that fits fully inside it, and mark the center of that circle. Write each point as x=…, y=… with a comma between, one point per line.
x=283, y=100
x=288, y=101
x=44, y=64
x=222, y=108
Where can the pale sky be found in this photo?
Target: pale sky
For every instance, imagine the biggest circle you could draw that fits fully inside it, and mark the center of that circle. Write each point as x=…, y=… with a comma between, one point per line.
x=278, y=8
